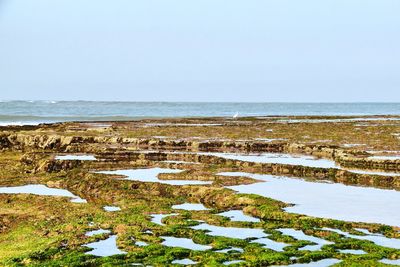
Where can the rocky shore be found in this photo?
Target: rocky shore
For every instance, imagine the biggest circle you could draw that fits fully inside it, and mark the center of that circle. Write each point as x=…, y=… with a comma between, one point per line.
x=183, y=160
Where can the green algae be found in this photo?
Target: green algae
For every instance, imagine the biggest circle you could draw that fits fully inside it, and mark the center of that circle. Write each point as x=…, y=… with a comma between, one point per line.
x=44, y=231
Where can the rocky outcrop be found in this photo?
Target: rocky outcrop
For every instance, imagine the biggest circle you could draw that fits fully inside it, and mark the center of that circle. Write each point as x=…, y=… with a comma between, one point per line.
x=102, y=144
x=131, y=158
x=18, y=141
x=365, y=162
x=4, y=142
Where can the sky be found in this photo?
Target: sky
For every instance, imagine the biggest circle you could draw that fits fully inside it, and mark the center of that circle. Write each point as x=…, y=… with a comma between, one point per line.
x=200, y=50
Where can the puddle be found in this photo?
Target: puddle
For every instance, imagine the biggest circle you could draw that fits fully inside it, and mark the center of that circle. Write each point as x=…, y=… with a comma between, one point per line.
x=352, y=145
x=184, y=262
x=78, y=200
x=190, y=206
x=321, y=141
x=111, y=208
x=232, y=262
x=75, y=157
x=289, y=159
x=368, y=125
x=98, y=125
x=98, y=232
x=238, y=216
x=187, y=243
x=157, y=218
x=378, y=239
x=241, y=233
x=141, y=244
x=270, y=244
x=385, y=157
x=230, y=250
x=374, y=172
x=269, y=140
x=321, y=263
x=231, y=232
x=151, y=175
x=391, y=262
x=278, y=158
x=299, y=235
x=105, y=248
x=353, y=251
x=365, y=231
x=41, y=190
x=326, y=200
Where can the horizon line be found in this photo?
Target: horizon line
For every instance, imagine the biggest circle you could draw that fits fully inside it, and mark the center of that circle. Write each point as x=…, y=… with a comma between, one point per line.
x=201, y=102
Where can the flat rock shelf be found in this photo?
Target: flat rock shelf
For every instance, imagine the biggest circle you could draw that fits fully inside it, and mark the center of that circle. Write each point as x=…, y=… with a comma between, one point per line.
x=243, y=191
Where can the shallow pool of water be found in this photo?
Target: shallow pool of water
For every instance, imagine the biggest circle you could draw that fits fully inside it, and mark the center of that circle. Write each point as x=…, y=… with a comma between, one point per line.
x=232, y=262
x=321, y=263
x=105, y=248
x=187, y=243
x=381, y=173
x=141, y=244
x=378, y=239
x=111, y=208
x=190, y=206
x=394, y=157
x=75, y=157
x=270, y=244
x=353, y=251
x=41, y=190
x=242, y=233
x=230, y=250
x=327, y=200
x=299, y=235
x=98, y=232
x=184, y=262
x=352, y=145
x=231, y=232
x=157, y=218
x=391, y=262
x=289, y=159
x=278, y=158
x=151, y=175
x=268, y=140
x=238, y=216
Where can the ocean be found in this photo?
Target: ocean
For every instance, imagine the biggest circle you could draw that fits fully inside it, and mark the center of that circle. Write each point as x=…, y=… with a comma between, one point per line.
x=35, y=112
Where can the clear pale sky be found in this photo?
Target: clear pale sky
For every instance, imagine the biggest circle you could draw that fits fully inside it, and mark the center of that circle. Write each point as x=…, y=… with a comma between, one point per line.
x=200, y=50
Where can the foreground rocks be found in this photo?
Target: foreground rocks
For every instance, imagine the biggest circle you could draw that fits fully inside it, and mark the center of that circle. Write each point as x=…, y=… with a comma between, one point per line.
x=50, y=231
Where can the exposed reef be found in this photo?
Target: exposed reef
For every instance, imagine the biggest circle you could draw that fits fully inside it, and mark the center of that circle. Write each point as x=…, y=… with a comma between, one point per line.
x=53, y=230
